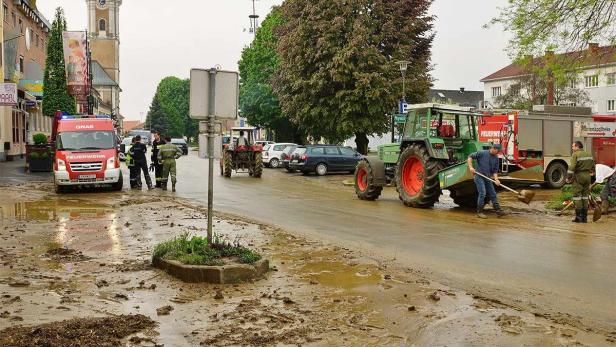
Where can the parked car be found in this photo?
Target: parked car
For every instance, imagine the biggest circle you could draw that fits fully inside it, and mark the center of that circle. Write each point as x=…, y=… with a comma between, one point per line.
x=271, y=156
x=126, y=142
x=264, y=143
x=181, y=143
x=322, y=159
x=286, y=157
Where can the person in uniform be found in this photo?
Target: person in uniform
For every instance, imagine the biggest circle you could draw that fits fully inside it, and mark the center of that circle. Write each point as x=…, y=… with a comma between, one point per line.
x=158, y=168
x=579, y=175
x=138, y=154
x=167, y=154
x=135, y=178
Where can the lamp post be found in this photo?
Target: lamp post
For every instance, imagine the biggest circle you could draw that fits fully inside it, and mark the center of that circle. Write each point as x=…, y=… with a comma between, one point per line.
x=403, y=64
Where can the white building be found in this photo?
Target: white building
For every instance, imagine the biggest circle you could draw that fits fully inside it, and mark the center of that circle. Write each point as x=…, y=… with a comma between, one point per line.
x=597, y=78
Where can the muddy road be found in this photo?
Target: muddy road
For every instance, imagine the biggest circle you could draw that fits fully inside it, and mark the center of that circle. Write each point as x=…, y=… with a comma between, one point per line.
x=530, y=259
x=75, y=272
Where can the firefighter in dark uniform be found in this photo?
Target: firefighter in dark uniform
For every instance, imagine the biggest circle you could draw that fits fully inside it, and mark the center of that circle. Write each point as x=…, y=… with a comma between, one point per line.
x=135, y=177
x=138, y=154
x=581, y=169
x=156, y=166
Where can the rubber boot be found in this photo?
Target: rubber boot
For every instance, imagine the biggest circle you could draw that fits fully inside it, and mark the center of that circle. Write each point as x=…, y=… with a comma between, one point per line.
x=605, y=207
x=584, y=216
x=480, y=213
x=173, y=187
x=578, y=216
x=499, y=211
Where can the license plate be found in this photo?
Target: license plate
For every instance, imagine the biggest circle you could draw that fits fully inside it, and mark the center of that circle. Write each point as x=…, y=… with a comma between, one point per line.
x=87, y=177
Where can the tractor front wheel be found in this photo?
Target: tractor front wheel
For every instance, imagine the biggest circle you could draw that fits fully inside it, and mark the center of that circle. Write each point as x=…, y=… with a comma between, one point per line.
x=417, y=177
x=228, y=163
x=257, y=170
x=364, y=177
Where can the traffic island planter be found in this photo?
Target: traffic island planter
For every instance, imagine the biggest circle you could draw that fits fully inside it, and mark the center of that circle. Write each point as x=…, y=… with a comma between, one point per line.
x=224, y=274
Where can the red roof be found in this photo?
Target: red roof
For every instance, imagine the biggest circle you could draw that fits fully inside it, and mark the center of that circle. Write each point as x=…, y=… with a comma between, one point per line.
x=131, y=124
x=589, y=57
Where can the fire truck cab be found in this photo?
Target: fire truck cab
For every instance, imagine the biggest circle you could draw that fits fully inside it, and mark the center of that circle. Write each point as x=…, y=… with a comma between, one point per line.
x=86, y=153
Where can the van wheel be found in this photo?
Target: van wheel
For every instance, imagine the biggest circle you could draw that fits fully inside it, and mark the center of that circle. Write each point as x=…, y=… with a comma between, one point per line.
x=60, y=189
x=556, y=175
x=119, y=184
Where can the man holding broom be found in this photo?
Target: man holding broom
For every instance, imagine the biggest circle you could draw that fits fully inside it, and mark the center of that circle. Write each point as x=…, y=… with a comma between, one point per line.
x=487, y=165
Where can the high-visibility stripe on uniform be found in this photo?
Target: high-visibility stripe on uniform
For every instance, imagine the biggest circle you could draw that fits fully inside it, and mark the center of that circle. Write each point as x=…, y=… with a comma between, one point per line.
x=585, y=158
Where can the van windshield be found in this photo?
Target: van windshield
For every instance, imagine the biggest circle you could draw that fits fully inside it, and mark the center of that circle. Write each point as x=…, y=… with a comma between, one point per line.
x=85, y=140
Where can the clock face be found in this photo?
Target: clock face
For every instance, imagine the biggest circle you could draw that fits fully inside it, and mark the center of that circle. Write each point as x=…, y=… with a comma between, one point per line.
x=101, y=4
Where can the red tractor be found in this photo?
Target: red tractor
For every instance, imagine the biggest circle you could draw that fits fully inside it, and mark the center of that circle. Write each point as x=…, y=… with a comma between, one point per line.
x=241, y=153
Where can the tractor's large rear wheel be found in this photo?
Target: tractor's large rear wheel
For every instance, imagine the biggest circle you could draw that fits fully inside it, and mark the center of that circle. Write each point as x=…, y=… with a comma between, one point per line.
x=257, y=170
x=228, y=163
x=364, y=177
x=417, y=177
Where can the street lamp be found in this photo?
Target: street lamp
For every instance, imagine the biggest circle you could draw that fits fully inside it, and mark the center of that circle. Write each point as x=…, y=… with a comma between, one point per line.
x=403, y=64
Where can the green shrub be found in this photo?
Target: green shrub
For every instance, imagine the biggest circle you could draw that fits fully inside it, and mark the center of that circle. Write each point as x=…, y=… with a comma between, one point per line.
x=44, y=155
x=39, y=139
x=34, y=155
x=196, y=251
x=566, y=195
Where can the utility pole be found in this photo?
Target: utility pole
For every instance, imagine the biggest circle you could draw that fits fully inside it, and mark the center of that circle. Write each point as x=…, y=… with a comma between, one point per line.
x=211, y=134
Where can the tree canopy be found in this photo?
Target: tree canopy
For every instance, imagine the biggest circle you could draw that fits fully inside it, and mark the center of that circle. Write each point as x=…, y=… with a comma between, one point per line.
x=337, y=74
x=56, y=96
x=564, y=25
x=258, y=63
x=169, y=112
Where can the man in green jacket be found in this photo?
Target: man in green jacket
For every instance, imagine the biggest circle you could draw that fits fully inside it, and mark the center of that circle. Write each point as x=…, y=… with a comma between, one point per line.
x=579, y=175
x=167, y=154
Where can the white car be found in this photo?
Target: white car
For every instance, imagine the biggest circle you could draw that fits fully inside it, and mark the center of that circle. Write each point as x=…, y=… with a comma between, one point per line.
x=271, y=154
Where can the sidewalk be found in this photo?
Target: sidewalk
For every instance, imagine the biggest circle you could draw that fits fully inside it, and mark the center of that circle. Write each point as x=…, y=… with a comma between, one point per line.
x=14, y=172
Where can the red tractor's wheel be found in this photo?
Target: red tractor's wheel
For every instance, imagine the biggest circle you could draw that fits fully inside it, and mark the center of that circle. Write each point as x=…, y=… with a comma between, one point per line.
x=257, y=170
x=364, y=188
x=417, y=177
x=228, y=163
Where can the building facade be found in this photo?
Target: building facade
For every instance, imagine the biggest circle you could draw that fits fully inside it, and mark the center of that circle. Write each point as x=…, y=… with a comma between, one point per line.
x=25, y=35
x=597, y=77
x=103, y=35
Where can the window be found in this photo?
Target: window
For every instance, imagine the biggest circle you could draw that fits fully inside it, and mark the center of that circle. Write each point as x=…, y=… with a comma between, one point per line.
x=611, y=105
x=573, y=84
x=347, y=151
x=21, y=64
x=318, y=151
x=14, y=18
x=591, y=81
x=21, y=26
x=6, y=11
x=102, y=25
x=38, y=38
x=331, y=151
x=611, y=78
x=279, y=148
x=496, y=91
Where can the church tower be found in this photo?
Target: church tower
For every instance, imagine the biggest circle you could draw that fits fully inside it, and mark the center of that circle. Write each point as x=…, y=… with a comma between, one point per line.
x=103, y=35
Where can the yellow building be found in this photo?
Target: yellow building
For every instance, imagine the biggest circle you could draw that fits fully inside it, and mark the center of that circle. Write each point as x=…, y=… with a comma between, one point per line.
x=103, y=31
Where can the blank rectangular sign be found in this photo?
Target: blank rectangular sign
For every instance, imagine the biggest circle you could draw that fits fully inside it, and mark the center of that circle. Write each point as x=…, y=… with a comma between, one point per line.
x=226, y=94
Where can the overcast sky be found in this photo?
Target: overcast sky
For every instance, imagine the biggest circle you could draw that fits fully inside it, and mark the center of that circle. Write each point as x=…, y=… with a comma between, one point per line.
x=160, y=38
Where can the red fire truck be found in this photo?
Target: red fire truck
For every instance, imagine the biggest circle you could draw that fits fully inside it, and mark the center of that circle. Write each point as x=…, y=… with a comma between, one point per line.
x=604, y=141
x=536, y=144
x=86, y=152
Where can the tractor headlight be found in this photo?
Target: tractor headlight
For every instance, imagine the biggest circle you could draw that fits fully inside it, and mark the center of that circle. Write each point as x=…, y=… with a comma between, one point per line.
x=61, y=165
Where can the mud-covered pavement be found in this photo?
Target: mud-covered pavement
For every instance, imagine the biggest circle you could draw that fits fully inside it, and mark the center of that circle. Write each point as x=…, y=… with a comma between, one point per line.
x=85, y=257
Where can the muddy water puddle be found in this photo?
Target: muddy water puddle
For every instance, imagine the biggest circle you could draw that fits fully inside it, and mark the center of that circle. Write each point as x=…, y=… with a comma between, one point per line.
x=317, y=294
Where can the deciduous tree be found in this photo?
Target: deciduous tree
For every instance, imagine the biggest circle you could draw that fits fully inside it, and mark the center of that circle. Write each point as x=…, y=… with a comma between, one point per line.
x=338, y=74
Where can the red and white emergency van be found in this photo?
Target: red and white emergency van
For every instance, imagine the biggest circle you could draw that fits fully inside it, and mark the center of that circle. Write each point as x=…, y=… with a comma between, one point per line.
x=86, y=152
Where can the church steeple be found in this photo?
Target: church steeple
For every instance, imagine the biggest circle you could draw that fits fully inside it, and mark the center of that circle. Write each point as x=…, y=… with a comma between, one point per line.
x=104, y=18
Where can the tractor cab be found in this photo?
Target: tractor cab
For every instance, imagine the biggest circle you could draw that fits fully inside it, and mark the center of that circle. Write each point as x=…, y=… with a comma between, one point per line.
x=449, y=132
x=241, y=153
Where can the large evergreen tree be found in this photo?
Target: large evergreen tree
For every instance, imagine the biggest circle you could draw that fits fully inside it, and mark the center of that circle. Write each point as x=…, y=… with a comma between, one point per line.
x=156, y=119
x=338, y=75
x=56, y=96
x=257, y=99
x=173, y=95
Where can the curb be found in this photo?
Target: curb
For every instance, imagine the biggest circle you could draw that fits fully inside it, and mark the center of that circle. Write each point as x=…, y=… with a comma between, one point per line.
x=224, y=274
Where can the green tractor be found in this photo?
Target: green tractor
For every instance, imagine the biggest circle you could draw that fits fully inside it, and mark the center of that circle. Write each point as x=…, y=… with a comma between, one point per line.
x=431, y=156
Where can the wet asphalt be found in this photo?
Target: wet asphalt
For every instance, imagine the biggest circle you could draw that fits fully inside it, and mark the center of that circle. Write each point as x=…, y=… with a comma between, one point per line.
x=531, y=259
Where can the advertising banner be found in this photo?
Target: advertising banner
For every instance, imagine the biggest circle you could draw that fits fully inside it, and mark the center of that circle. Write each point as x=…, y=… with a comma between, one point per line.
x=594, y=129
x=76, y=61
x=8, y=94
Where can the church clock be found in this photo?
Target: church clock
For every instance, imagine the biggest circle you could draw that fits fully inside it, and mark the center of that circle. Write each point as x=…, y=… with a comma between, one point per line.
x=101, y=4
